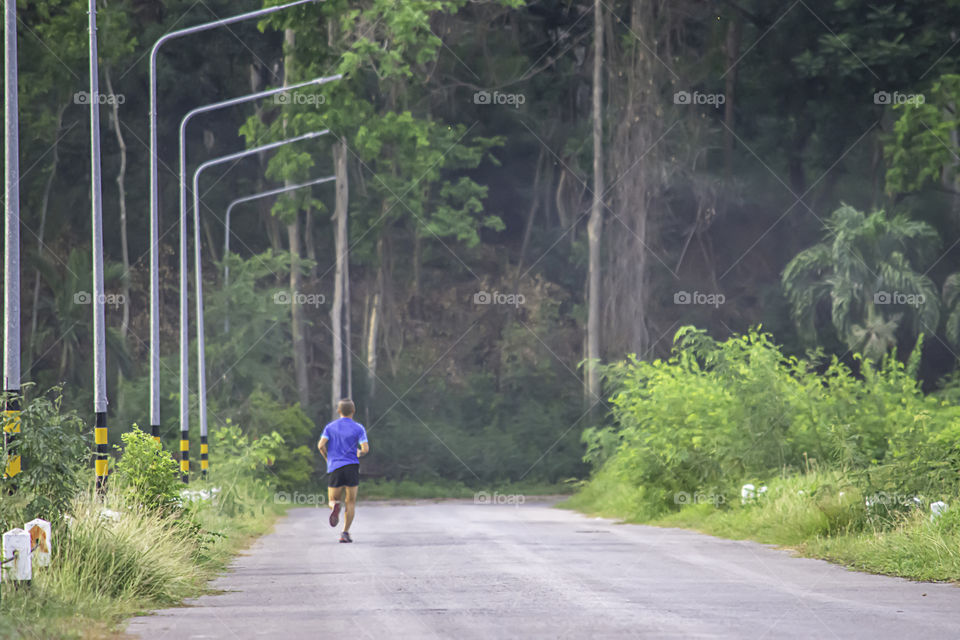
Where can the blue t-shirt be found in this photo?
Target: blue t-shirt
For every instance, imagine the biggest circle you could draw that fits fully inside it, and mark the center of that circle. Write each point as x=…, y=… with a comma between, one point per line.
x=344, y=437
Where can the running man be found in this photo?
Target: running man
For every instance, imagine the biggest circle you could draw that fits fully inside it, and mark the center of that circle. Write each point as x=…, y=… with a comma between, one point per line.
x=342, y=445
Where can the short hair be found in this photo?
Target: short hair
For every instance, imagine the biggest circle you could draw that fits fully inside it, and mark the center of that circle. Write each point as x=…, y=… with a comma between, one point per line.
x=345, y=407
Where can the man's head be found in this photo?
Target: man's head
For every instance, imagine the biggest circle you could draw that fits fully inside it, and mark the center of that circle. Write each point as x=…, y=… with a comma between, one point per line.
x=345, y=408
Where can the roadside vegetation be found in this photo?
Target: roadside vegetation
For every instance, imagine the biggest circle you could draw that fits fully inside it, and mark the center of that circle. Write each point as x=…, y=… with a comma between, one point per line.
x=845, y=463
x=430, y=490
x=145, y=543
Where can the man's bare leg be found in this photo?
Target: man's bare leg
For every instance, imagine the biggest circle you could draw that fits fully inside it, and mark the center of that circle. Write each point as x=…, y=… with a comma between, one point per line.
x=333, y=496
x=350, y=502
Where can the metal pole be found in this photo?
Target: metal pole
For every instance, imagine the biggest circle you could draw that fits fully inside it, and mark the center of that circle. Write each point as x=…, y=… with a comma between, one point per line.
x=99, y=337
x=155, y=205
x=11, y=253
x=201, y=344
x=184, y=287
x=226, y=226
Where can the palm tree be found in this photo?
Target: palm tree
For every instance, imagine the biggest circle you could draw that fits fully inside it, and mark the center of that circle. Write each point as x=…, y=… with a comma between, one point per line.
x=867, y=267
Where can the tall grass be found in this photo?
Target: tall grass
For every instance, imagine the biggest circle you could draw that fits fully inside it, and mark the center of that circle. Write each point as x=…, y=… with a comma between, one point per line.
x=138, y=556
x=111, y=562
x=103, y=568
x=914, y=547
x=819, y=514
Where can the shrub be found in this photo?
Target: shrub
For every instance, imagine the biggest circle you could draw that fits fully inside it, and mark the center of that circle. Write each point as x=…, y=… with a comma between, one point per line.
x=146, y=474
x=717, y=414
x=55, y=453
x=292, y=463
x=242, y=470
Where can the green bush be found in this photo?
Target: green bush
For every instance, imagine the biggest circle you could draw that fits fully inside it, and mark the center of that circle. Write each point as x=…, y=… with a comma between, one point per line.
x=292, y=463
x=55, y=451
x=242, y=472
x=718, y=414
x=145, y=474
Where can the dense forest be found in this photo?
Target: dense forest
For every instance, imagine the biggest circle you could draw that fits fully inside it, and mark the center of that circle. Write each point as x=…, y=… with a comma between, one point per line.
x=523, y=189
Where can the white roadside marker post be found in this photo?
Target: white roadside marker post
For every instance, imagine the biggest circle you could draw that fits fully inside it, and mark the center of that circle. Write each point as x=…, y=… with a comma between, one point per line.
x=41, y=542
x=16, y=556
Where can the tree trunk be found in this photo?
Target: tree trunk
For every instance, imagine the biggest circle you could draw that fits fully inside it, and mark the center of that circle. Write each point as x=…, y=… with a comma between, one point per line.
x=263, y=206
x=373, y=325
x=531, y=213
x=298, y=325
x=310, y=242
x=124, y=245
x=595, y=226
x=208, y=231
x=562, y=216
x=347, y=351
x=44, y=208
x=734, y=31
x=340, y=251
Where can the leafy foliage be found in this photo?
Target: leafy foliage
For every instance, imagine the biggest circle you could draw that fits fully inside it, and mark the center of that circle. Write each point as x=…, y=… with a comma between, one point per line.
x=924, y=146
x=717, y=414
x=148, y=475
x=55, y=450
x=868, y=270
x=242, y=471
x=291, y=463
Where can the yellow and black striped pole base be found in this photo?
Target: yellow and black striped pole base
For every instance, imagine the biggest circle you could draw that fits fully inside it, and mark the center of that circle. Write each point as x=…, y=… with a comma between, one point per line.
x=11, y=434
x=204, y=460
x=155, y=432
x=185, y=457
x=100, y=439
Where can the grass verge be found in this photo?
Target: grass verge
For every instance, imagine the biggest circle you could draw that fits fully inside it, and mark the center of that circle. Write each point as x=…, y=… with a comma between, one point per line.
x=108, y=567
x=818, y=514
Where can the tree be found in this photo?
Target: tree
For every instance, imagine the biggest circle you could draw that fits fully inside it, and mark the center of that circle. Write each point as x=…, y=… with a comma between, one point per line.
x=298, y=323
x=924, y=147
x=867, y=269
x=595, y=226
x=408, y=164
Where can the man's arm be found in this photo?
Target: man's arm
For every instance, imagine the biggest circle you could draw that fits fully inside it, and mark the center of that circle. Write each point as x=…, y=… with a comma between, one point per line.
x=363, y=450
x=322, y=446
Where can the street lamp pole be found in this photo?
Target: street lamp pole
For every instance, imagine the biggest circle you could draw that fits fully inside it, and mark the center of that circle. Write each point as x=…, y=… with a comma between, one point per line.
x=99, y=335
x=184, y=287
x=11, y=248
x=226, y=226
x=155, y=199
x=201, y=343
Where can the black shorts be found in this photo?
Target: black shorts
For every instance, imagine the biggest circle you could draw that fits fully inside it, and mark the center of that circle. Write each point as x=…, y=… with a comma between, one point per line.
x=345, y=476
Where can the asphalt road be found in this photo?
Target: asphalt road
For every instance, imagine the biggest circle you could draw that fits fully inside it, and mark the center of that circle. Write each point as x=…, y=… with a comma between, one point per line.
x=460, y=570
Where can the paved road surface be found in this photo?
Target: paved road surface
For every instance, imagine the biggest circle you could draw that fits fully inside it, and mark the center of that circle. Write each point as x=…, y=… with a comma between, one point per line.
x=459, y=570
